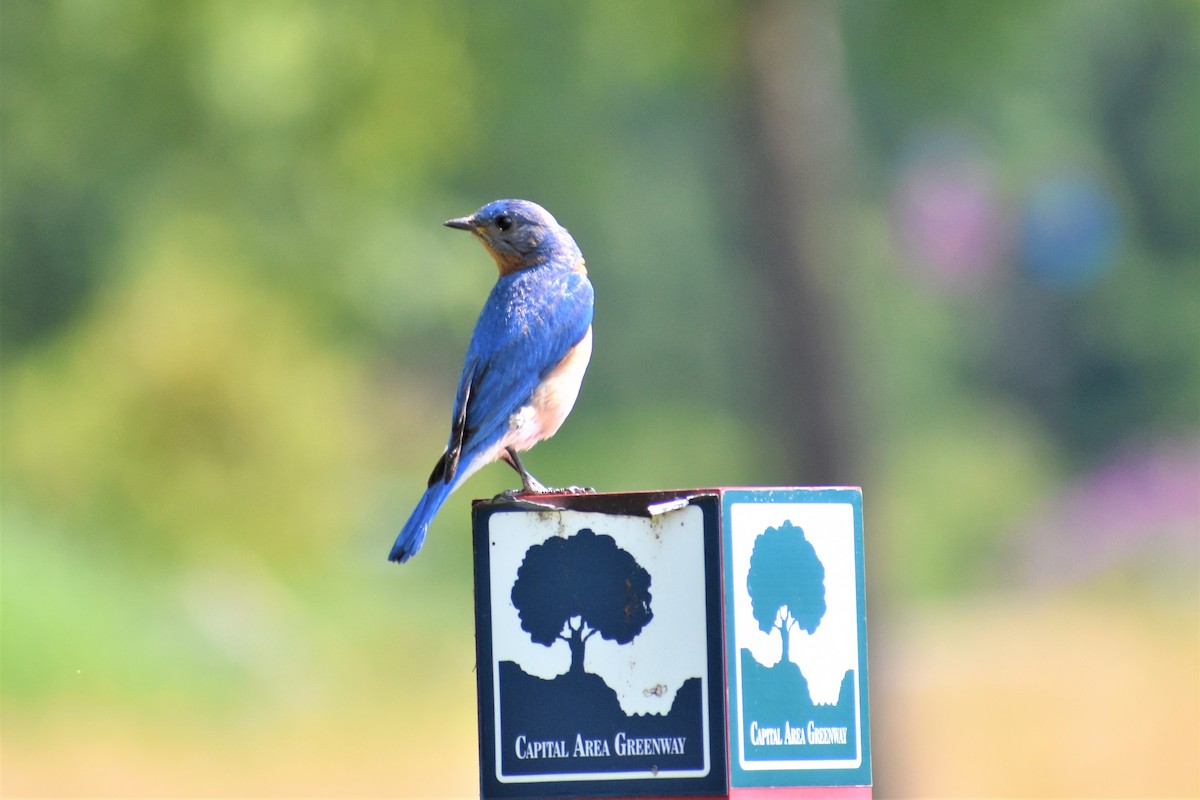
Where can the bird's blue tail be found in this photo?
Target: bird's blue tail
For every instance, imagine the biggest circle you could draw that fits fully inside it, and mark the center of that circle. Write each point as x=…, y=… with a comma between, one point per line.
x=413, y=535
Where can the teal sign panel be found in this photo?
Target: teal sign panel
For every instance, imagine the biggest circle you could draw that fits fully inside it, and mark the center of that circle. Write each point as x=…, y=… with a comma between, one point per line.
x=796, y=638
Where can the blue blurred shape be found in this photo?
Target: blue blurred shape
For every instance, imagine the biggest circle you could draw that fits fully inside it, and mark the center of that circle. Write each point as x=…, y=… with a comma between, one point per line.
x=1071, y=230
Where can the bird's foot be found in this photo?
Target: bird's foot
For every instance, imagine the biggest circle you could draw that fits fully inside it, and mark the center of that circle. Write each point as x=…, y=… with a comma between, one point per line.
x=531, y=485
x=559, y=490
x=537, y=488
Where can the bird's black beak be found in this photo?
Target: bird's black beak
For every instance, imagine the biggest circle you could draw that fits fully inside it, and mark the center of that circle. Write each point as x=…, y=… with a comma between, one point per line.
x=462, y=223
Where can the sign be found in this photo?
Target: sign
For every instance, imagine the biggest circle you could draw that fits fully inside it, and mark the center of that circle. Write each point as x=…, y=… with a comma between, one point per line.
x=796, y=637
x=601, y=668
x=696, y=643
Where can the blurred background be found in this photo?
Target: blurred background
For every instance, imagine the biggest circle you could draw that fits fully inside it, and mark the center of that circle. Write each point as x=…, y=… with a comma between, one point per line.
x=948, y=251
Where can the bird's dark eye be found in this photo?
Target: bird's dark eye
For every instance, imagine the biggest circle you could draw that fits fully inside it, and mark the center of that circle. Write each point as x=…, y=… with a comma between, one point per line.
x=504, y=222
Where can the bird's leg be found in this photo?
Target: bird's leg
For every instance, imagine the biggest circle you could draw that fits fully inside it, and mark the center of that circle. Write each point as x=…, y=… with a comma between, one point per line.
x=529, y=484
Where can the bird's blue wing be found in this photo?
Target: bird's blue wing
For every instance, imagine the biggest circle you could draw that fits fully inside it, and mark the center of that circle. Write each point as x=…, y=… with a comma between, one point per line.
x=528, y=325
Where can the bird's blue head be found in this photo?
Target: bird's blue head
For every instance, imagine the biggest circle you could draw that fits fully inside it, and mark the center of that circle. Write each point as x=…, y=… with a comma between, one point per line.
x=519, y=234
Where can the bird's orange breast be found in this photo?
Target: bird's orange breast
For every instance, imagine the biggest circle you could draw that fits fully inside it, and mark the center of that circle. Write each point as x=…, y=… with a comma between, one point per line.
x=552, y=400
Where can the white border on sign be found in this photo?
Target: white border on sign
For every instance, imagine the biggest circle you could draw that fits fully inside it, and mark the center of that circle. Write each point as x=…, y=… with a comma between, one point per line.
x=826, y=654
x=672, y=648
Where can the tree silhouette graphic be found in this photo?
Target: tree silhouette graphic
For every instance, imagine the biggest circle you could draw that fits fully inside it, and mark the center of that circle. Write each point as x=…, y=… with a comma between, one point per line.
x=575, y=587
x=786, y=582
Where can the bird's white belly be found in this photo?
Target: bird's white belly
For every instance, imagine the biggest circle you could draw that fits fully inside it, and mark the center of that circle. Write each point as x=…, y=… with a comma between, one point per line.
x=552, y=400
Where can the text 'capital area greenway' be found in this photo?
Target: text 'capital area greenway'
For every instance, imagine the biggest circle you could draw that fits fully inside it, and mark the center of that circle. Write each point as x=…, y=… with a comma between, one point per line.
x=788, y=735
x=622, y=745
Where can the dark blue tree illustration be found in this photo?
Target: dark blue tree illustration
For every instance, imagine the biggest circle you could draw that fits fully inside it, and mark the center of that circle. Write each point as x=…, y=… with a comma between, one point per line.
x=575, y=587
x=786, y=582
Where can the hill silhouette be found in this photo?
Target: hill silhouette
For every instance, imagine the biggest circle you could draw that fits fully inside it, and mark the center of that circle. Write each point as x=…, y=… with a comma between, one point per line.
x=581, y=705
x=777, y=698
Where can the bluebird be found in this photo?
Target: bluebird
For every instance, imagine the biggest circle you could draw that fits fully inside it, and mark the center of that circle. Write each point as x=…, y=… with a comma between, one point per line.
x=526, y=358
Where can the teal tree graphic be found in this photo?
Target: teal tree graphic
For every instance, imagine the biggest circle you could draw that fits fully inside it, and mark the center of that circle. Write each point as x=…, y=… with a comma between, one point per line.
x=786, y=583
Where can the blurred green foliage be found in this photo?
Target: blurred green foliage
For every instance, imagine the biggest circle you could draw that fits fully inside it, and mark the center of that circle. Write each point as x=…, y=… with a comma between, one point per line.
x=231, y=323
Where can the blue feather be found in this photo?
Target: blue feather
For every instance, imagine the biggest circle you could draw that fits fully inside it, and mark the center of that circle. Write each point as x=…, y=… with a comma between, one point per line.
x=412, y=536
x=535, y=315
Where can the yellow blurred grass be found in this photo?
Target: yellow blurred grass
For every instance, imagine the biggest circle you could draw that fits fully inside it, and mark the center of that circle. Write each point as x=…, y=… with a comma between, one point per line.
x=1042, y=697
x=427, y=748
